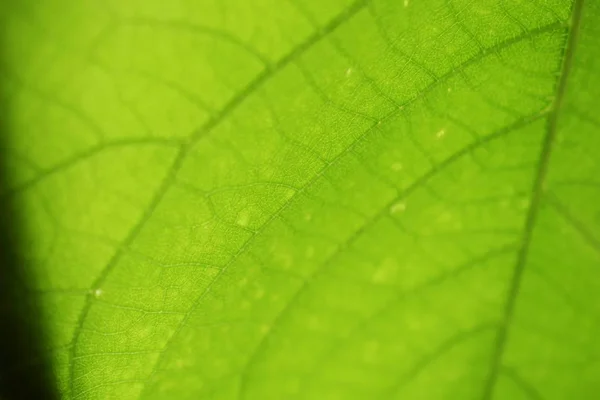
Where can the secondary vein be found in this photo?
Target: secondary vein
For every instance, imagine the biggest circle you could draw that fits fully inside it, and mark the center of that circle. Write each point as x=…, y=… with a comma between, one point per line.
x=536, y=197
x=185, y=148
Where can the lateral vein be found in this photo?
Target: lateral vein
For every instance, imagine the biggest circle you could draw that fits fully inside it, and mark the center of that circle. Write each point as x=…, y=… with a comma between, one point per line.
x=536, y=197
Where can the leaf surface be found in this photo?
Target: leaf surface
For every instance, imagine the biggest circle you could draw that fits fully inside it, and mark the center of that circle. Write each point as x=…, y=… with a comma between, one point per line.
x=311, y=199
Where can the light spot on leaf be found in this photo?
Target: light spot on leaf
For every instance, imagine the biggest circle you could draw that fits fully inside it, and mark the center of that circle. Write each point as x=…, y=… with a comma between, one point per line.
x=396, y=166
x=398, y=208
x=243, y=218
x=264, y=329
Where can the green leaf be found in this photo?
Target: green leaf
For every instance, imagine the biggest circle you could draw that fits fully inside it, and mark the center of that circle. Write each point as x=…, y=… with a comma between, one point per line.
x=311, y=199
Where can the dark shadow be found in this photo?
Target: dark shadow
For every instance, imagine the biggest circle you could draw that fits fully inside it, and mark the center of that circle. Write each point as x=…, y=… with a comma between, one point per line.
x=25, y=372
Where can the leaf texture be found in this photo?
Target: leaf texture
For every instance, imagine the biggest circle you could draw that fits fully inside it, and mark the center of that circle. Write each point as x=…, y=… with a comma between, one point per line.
x=386, y=199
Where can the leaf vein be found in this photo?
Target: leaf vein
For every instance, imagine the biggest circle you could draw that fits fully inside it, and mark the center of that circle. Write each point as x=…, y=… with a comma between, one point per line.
x=536, y=198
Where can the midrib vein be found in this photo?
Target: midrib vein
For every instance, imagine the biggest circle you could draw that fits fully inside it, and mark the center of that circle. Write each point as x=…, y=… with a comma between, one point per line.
x=536, y=197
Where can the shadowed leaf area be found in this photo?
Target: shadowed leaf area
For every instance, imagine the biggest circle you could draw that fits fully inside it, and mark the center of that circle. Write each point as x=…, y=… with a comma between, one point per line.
x=310, y=199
